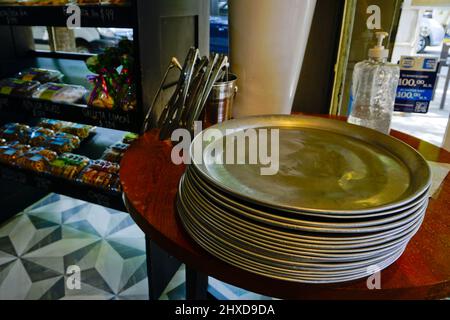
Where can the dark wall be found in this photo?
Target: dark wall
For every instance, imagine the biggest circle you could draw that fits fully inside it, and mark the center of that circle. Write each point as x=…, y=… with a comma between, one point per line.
x=317, y=77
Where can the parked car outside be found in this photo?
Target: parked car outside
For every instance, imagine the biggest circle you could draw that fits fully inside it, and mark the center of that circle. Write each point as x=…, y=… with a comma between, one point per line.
x=432, y=33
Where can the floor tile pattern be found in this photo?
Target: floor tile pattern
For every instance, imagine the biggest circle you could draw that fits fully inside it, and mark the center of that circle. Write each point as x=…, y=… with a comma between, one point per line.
x=40, y=245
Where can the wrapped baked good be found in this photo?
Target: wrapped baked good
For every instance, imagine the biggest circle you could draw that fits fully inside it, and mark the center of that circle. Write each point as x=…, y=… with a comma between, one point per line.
x=100, y=179
x=130, y=137
x=39, y=135
x=68, y=165
x=11, y=152
x=76, y=129
x=18, y=87
x=102, y=174
x=112, y=156
x=59, y=92
x=16, y=132
x=60, y=144
x=75, y=140
x=37, y=159
x=106, y=166
x=54, y=125
x=115, y=153
x=40, y=75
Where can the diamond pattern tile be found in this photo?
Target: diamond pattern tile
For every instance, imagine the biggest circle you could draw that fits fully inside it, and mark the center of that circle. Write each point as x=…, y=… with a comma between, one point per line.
x=38, y=246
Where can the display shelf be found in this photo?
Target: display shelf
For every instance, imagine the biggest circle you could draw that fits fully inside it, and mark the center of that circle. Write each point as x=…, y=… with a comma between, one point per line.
x=118, y=120
x=58, y=185
x=91, y=16
x=93, y=147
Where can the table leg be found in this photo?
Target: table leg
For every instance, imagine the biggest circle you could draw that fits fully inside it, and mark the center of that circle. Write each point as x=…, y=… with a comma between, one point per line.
x=161, y=267
x=196, y=285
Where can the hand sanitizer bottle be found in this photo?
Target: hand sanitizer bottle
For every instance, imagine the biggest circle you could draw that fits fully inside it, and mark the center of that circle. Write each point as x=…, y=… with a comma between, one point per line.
x=374, y=89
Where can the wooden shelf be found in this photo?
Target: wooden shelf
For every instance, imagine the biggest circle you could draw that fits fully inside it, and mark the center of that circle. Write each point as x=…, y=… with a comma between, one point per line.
x=58, y=185
x=117, y=120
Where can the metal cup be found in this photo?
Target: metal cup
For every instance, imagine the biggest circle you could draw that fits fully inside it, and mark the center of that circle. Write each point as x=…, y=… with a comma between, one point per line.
x=219, y=106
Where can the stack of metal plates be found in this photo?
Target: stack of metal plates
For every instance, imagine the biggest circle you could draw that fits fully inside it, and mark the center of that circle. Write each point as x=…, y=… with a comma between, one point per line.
x=339, y=202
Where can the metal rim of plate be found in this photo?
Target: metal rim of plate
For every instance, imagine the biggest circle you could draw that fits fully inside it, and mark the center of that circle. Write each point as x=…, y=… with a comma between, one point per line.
x=242, y=204
x=421, y=179
x=287, y=236
x=277, y=218
x=287, y=275
x=280, y=251
x=214, y=220
x=199, y=223
x=304, y=248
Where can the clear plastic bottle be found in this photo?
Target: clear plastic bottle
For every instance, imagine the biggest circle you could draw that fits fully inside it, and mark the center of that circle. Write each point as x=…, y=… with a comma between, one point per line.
x=374, y=89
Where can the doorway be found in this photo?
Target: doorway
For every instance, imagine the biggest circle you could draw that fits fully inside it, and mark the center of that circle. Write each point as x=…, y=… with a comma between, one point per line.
x=424, y=30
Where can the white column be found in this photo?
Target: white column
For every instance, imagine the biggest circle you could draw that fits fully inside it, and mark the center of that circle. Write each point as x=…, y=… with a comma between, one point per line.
x=447, y=138
x=268, y=39
x=408, y=32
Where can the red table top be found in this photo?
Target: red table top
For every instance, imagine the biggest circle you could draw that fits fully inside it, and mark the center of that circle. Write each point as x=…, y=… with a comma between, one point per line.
x=150, y=182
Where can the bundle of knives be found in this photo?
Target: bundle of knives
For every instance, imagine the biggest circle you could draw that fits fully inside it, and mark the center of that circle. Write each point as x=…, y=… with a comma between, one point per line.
x=198, y=75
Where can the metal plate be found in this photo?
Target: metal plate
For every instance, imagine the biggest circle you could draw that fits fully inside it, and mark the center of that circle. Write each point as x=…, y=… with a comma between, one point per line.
x=326, y=166
x=246, y=236
x=293, y=237
x=312, y=274
x=212, y=199
x=213, y=191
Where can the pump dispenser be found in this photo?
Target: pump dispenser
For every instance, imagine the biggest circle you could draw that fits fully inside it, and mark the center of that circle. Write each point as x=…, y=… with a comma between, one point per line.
x=374, y=89
x=379, y=51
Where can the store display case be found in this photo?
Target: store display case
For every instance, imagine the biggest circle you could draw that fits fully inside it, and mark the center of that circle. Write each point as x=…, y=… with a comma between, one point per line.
x=136, y=63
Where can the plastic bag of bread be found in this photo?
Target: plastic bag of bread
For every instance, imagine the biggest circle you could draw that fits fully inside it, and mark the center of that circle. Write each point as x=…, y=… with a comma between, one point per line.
x=40, y=75
x=130, y=137
x=102, y=174
x=39, y=135
x=11, y=152
x=16, y=132
x=75, y=140
x=54, y=125
x=60, y=92
x=17, y=87
x=80, y=130
x=115, y=153
x=68, y=166
x=37, y=159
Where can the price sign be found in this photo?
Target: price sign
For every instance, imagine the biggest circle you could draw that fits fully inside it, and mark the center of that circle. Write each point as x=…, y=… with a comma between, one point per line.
x=416, y=85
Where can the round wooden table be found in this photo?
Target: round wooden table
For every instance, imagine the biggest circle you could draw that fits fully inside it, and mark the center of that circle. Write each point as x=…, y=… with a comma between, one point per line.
x=150, y=182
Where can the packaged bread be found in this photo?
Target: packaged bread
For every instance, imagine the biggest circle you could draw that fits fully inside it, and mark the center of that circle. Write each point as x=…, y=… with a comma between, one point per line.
x=16, y=132
x=40, y=75
x=77, y=129
x=60, y=92
x=54, y=125
x=37, y=159
x=115, y=152
x=11, y=152
x=102, y=174
x=68, y=166
x=18, y=87
x=75, y=140
x=130, y=137
x=60, y=143
x=39, y=135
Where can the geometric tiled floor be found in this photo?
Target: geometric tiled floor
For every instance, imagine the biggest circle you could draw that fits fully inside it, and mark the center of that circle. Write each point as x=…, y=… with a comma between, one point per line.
x=38, y=245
